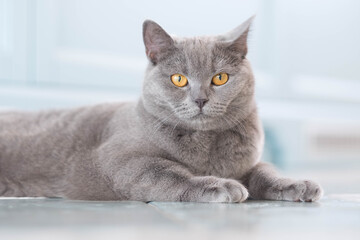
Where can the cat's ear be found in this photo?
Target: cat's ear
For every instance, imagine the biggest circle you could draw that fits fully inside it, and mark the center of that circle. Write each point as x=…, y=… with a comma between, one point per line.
x=157, y=41
x=236, y=39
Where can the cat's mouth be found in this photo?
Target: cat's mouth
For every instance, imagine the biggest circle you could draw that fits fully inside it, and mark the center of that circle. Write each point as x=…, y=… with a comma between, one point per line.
x=207, y=114
x=200, y=116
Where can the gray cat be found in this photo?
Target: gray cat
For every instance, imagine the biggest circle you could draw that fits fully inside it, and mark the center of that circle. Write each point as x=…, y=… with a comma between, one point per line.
x=194, y=135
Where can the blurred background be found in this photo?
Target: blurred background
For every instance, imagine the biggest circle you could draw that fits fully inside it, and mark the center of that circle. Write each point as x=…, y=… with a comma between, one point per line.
x=305, y=55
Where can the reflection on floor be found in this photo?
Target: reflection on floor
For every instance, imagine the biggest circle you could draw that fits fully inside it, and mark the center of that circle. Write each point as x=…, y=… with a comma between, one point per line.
x=334, y=217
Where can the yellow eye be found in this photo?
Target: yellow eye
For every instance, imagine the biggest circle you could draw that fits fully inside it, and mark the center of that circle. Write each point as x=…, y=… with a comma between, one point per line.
x=179, y=80
x=220, y=79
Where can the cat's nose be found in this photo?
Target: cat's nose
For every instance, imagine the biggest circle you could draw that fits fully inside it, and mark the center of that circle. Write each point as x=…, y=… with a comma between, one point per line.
x=201, y=102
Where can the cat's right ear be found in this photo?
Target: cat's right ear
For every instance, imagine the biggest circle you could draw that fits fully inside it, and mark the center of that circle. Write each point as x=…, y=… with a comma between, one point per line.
x=157, y=41
x=237, y=38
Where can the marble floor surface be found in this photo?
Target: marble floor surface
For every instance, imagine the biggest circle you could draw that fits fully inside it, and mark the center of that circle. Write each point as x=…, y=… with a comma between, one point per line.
x=336, y=216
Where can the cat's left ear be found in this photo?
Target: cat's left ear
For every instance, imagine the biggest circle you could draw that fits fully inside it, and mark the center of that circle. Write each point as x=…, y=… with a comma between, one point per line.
x=157, y=42
x=236, y=39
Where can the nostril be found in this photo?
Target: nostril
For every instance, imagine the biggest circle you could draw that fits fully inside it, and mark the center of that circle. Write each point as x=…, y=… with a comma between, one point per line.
x=201, y=102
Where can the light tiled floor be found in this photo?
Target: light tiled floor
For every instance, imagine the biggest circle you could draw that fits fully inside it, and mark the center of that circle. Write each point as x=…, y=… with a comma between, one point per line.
x=334, y=217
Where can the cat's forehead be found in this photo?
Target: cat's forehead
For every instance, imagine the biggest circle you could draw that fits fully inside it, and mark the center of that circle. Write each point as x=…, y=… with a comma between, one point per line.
x=197, y=54
x=195, y=44
x=198, y=57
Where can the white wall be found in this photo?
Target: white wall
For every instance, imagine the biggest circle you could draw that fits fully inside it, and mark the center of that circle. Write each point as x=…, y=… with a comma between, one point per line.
x=99, y=43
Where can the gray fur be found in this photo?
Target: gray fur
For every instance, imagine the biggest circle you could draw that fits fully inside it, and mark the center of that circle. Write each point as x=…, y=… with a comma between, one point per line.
x=160, y=148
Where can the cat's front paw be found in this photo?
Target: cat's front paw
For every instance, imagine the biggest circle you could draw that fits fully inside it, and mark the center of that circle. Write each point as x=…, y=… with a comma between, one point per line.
x=304, y=190
x=213, y=189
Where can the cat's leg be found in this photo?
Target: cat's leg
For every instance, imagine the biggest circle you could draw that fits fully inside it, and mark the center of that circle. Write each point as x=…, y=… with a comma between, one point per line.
x=263, y=182
x=158, y=179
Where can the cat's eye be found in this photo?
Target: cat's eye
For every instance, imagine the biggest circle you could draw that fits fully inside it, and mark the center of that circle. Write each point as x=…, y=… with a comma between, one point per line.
x=179, y=80
x=220, y=79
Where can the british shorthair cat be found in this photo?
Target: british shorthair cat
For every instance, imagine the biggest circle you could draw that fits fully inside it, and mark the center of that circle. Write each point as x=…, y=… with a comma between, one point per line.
x=194, y=134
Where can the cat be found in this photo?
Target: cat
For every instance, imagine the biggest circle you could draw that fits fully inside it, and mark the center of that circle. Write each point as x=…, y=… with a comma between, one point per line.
x=193, y=135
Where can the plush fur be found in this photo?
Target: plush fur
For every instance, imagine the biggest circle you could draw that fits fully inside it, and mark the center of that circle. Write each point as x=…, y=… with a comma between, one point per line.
x=163, y=147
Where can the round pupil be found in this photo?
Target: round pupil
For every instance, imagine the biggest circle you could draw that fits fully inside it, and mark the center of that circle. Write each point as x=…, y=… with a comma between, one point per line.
x=179, y=78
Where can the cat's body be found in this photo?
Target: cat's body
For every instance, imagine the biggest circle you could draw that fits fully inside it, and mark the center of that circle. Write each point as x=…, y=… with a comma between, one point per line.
x=64, y=149
x=165, y=147
x=51, y=153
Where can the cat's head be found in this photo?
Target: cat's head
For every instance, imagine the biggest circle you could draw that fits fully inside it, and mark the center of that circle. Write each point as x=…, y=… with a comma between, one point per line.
x=201, y=83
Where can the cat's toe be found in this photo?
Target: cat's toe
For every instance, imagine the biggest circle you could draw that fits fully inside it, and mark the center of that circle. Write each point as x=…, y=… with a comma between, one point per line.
x=212, y=189
x=227, y=191
x=237, y=191
x=298, y=191
x=293, y=191
x=313, y=191
x=216, y=194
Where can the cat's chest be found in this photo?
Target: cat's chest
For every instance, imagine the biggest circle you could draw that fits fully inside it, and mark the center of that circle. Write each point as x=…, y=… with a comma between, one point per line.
x=210, y=153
